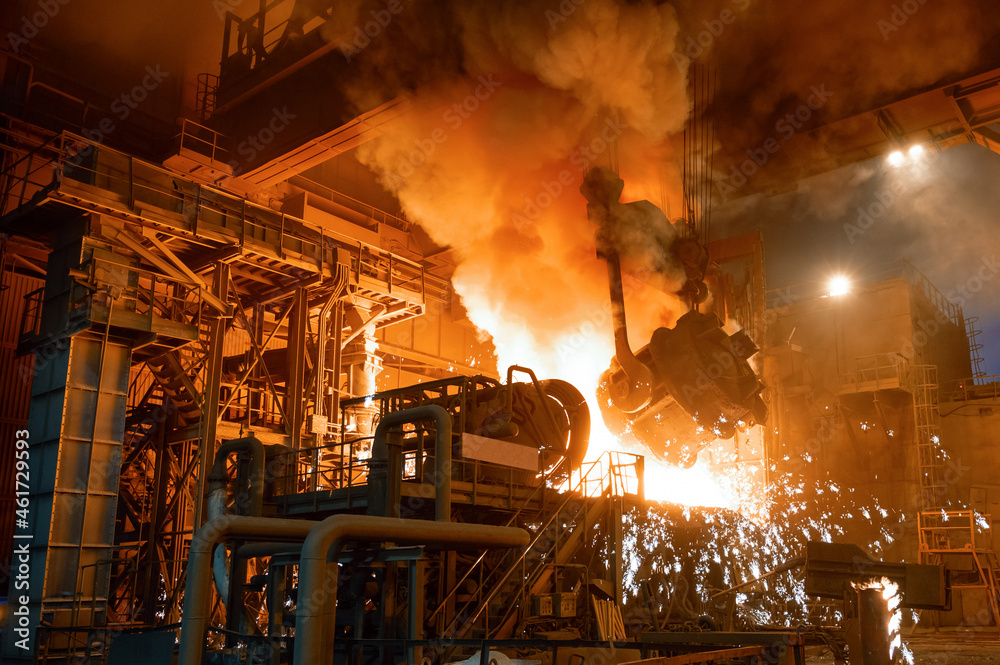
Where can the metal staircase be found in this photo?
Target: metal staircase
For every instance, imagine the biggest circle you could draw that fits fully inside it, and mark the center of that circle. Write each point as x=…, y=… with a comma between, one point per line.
x=177, y=386
x=506, y=588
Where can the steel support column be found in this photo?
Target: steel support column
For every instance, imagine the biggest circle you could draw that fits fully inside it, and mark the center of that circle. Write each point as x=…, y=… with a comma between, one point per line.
x=213, y=383
x=75, y=431
x=295, y=395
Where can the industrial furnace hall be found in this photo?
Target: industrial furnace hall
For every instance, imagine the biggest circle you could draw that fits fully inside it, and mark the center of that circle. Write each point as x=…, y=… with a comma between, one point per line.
x=579, y=332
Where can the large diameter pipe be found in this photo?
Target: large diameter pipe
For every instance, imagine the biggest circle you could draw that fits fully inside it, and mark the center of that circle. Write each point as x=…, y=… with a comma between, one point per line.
x=197, y=589
x=442, y=451
x=873, y=616
x=218, y=478
x=314, y=615
x=218, y=495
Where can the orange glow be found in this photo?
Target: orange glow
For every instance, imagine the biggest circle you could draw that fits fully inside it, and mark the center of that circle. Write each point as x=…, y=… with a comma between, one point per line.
x=498, y=180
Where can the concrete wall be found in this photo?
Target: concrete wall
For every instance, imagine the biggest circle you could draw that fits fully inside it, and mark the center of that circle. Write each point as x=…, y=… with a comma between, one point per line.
x=970, y=431
x=937, y=340
x=862, y=438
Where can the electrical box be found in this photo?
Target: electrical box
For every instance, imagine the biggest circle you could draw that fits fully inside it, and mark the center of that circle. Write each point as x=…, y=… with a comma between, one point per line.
x=554, y=605
x=564, y=604
x=317, y=424
x=541, y=606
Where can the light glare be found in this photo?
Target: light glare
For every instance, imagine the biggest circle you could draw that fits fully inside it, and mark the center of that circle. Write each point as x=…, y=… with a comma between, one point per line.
x=839, y=285
x=916, y=151
x=896, y=158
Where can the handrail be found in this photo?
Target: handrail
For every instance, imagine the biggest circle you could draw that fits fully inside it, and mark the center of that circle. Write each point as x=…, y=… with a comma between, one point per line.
x=484, y=604
x=877, y=368
x=275, y=233
x=343, y=239
x=513, y=518
x=30, y=153
x=897, y=269
x=986, y=386
x=308, y=185
x=197, y=137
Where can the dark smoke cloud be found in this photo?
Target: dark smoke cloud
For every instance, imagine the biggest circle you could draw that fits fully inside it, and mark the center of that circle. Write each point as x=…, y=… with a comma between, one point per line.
x=107, y=44
x=770, y=57
x=774, y=51
x=939, y=214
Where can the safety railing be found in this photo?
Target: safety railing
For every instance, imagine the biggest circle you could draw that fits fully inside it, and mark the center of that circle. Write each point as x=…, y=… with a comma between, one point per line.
x=140, y=297
x=252, y=402
x=914, y=277
x=30, y=174
x=600, y=477
x=339, y=198
x=944, y=531
x=881, y=371
x=88, y=171
x=345, y=465
x=248, y=42
x=453, y=393
x=202, y=140
x=898, y=269
x=986, y=387
x=614, y=473
x=121, y=295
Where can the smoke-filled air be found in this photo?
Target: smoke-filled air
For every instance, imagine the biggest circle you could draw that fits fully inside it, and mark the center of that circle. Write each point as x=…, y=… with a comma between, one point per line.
x=490, y=162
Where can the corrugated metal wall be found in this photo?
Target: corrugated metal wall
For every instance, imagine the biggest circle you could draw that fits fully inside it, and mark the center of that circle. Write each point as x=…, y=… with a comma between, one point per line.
x=15, y=393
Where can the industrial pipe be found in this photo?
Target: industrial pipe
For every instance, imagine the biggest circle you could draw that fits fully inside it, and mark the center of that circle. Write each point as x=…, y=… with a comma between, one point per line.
x=217, y=500
x=442, y=453
x=197, y=609
x=873, y=619
x=324, y=315
x=217, y=476
x=218, y=495
x=261, y=549
x=315, y=613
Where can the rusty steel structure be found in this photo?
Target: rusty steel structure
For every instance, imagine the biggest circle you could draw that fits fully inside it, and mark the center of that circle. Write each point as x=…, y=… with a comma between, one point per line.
x=259, y=427
x=175, y=316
